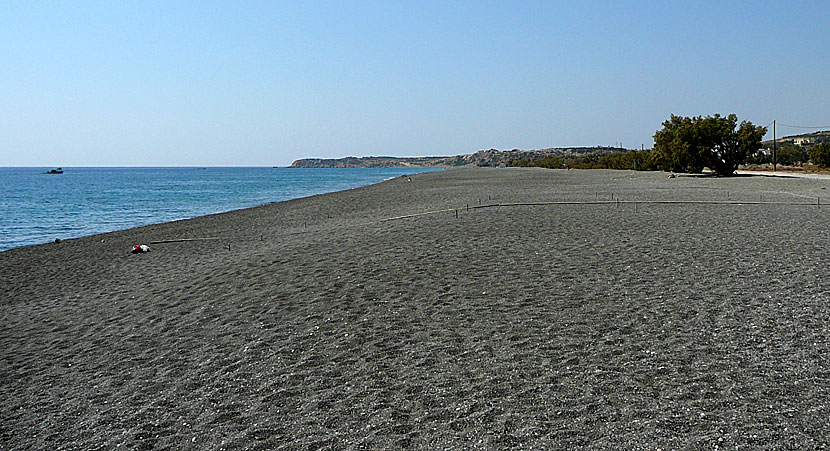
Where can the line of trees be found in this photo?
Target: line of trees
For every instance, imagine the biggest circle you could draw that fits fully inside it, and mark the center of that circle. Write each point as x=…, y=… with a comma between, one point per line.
x=690, y=144
x=786, y=153
x=637, y=160
x=789, y=154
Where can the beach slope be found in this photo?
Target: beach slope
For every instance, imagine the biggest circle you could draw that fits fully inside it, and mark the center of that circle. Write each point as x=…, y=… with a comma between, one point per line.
x=315, y=323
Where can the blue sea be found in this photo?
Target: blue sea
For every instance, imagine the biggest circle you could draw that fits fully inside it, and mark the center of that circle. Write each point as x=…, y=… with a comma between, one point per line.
x=38, y=207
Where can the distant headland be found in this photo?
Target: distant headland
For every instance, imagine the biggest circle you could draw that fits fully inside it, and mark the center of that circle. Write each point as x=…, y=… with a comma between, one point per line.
x=491, y=157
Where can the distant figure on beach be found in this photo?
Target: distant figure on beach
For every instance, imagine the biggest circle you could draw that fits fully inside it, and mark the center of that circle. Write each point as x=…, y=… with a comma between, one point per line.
x=409, y=179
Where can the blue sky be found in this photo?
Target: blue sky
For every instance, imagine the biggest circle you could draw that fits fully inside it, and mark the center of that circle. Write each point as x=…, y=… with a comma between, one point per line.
x=264, y=83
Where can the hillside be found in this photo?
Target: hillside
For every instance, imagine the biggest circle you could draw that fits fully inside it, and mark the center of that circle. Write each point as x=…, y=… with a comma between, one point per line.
x=804, y=138
x=491, y=157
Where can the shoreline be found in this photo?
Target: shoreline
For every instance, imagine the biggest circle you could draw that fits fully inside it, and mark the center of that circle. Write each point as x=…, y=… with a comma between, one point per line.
x=763, y=173
x=137, y=222
x=587, y=324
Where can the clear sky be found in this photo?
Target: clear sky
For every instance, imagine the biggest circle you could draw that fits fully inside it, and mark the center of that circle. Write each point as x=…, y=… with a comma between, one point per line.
x=263, y=83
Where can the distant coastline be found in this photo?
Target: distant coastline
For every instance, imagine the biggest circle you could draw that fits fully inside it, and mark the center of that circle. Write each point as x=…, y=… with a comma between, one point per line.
x=482, y=158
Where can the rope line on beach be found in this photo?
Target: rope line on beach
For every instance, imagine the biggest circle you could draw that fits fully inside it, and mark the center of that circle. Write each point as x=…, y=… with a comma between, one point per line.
x=601, y=202
x=420, y=214
x=180, y=240
x=536, y=204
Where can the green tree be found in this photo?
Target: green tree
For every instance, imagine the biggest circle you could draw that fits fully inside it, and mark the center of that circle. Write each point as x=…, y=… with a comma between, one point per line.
x=688, y=144
x=820, y=155
x=789, y=154
x=760, y=156
x=677, y=147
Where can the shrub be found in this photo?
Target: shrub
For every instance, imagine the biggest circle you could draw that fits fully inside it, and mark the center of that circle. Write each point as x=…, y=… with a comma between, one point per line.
x=820, y=155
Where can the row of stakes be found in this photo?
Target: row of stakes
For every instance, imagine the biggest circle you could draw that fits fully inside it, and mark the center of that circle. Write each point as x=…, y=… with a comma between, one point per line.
x=596, y=196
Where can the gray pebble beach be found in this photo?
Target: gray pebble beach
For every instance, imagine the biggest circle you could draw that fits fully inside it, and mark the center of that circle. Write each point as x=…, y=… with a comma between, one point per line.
x=601, y=316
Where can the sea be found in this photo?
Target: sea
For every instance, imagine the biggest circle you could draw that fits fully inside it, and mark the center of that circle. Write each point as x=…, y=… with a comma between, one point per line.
x=37, y=207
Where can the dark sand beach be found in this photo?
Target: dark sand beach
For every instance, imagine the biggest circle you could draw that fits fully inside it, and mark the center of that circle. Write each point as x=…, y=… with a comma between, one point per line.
x=312, y=324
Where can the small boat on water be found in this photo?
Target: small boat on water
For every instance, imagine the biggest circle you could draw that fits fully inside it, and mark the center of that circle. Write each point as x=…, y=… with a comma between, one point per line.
x=55, y=171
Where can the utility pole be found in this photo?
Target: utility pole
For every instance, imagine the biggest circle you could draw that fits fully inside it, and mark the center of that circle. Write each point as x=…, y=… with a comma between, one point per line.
x=774, y=146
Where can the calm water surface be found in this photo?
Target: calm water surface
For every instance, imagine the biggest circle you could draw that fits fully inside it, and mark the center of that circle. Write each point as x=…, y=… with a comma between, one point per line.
x=38, y=207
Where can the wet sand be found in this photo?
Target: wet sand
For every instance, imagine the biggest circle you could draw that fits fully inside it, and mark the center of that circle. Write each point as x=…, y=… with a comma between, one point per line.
x=312, y=324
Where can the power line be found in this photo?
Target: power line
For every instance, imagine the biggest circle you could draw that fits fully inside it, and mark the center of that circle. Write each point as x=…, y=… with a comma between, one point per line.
x=802, y=126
